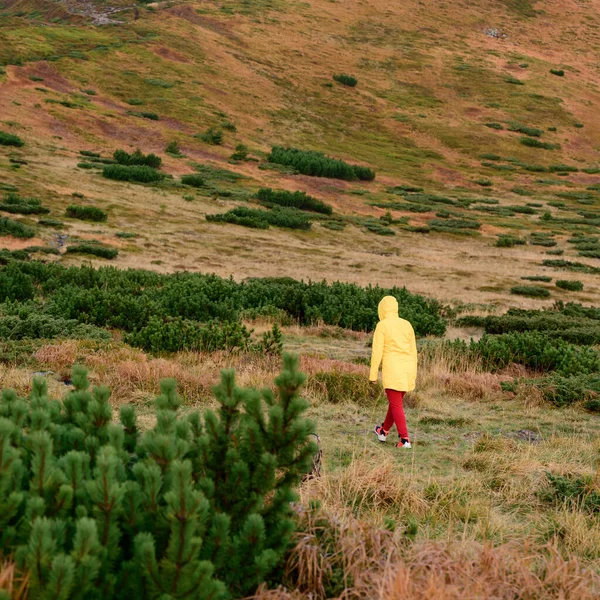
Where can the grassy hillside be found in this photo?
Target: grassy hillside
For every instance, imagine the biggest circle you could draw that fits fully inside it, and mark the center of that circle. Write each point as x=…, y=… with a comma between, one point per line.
x=431, y=81
x=478, y=122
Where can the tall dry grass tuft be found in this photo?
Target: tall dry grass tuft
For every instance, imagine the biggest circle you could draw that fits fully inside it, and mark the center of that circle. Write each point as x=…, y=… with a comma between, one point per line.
x=344, y=558
x=446, y=370
x=12, y=582
x=364, y=487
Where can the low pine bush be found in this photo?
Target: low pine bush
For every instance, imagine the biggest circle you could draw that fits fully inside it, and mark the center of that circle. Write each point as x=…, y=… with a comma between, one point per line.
x=542, y=278
x=241, y=153
x=173, y=148
x=532, y=291
x=557, y=72
x=564, y=391
x=348, y=80
x=200, y=506
x=299, y=200
x=15, y=204
x=9, y=139
x=509, y=241
x=144, y=115
x=289, y=218
x=513, y=80
x=569, y=285
x=14, y=228
x=100, y=250
x=570, y=266
x=310, y=162
x=174, y=334
x=534, y=350
x=134, y=173
x=530, y=131
x=497, y=126
x=137, y=158
x=86, y=213
x=212, y=136
x=535, y=143
x=192, y=180
x=31, y=324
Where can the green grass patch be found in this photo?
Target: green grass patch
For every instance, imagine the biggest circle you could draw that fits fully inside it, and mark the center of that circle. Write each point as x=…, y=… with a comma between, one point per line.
x=133, y=173
x=86, y=213
x=9, y=139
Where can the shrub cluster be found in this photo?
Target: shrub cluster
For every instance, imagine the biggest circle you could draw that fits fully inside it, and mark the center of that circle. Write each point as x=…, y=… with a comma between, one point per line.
x=530, y=131
x=137, y=158
x=15, y=204
x=533, y=350
x=95, y=249
x=86, y=213
x=200, y=506
x=136, y=173
x=570, y=285
x=192, y=180
x=532, y=291
x=299, y=200
x=14, y=228
x=509, y=241
x=535, y=143
x=9, y=139
x=126, y=300
x=289, y=218
x=310, y=162
x=348, y=80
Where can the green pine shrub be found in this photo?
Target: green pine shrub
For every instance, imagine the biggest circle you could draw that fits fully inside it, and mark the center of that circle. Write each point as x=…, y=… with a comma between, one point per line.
x=562, y=168
x=14, y=228
x=513, y=80
x=347, y=80
x=542, y=278
x=31, y=324
x=173, y=149
x=557, y=72
x=240, y=154
x=289, y=218
x=86, y=213
x=299, y=200
x=125, y=300
x=316, y=164
x=530, y=131
x=137, y=158
x=533, y=350
x=200, y=506
x=569, y=285
x=509, y=241
x=94, y=249
x=192, y=180
x=570, y=266
x=497, y=126
x=9, y=139
x=89, y=154
x=144, y=115
x=532, y=291
x=535, y=143
x=212, y=135
x=133, y=173
x=562, y=391
x=15, y=204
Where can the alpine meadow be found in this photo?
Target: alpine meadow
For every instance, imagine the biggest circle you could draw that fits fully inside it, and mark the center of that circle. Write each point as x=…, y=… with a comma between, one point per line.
x=204, y=206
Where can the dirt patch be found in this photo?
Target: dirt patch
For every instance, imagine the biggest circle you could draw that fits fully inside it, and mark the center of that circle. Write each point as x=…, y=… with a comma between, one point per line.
x=10, y=243
x=188, y=13
x=170, y=54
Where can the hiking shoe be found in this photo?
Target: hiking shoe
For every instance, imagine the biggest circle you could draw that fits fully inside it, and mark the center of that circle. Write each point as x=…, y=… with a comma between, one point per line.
x=381, y=433
x=403, y=443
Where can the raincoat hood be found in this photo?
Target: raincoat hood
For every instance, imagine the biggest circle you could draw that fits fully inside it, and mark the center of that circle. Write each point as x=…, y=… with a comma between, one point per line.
x=388, y=307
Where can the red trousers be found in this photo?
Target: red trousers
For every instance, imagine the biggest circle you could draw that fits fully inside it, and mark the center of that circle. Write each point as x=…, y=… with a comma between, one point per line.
x=395, y=413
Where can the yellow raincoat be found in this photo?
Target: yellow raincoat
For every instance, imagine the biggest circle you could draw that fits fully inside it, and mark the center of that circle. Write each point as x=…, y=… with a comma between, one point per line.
x=394, y=342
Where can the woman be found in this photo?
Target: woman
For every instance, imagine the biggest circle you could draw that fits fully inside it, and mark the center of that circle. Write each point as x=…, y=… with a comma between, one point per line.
x=394, y=342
